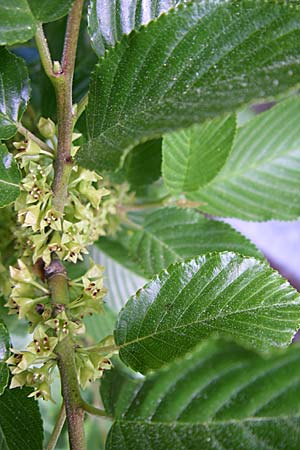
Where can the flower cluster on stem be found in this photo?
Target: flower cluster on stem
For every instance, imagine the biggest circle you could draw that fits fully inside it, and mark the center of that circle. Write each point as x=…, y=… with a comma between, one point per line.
x=42, y=234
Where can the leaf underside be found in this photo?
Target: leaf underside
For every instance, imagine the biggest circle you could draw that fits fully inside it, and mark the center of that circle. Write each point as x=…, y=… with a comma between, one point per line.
x=260, y=180
x=109, y=20
x=171, y=234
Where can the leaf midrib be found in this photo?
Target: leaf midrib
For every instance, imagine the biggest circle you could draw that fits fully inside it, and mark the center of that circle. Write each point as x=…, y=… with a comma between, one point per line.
x=9, y=183
x=209, y=423
x=207, y=320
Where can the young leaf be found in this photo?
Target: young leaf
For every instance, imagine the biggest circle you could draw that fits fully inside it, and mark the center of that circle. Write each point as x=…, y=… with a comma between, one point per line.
x=14, y=92
x=168, y=235
x=17, y=22
x=223, y=293
x=9, y=177
x=110, y=20
x=193, y=156
x=219, y=397
x=48, y=11
x=199, y=61
x=4, y=352
x=20, y=421
x=260, y=180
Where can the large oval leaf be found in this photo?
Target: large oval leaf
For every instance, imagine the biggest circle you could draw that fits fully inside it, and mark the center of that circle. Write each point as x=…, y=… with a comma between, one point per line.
x=109, y=20
x=14, y=92
x=260, y=180
x=217, y=293
x=9, y=177
x=168, y=235
x=192, y=157
x=196, y=62
x=20, y=421
x=220, y=397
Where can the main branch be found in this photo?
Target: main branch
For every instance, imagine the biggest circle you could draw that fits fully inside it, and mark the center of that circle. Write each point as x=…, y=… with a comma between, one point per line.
x=61, y=77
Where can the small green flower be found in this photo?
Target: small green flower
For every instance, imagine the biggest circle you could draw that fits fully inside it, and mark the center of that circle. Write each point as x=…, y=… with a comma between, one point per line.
x=42, y=344
x=20, y=361
x=63, y=326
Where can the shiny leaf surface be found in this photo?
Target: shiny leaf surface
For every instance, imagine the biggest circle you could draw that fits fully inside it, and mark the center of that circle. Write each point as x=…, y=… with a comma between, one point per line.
x=223, y=293
x=199, y=61
x=14, y=92
x=9, y=177
x=17, y=22
x=219, y=397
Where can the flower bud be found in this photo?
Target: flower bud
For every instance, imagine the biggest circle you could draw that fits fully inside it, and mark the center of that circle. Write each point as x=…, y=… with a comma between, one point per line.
x=46, y=128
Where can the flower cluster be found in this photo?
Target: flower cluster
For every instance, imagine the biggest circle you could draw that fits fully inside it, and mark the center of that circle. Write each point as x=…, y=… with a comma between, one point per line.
x=41, y=233
x=30, y=299
x=66, y=234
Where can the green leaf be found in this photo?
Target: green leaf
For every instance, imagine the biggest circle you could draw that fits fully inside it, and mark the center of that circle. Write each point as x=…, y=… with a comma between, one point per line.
x=14, y=92
x=17, y=22
x=223, y=293
x=260, y=180
x=168, y=235
x=4, y=377
x=4, y=352
x=9, y=177
x=192, y=157
x=143, y=164
x=117, y=387
x=201, y=60
x=20, y=421
x=117, y=247
x=48, y=11
x=19, y=18
x=219, y=397
x=110, y=20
